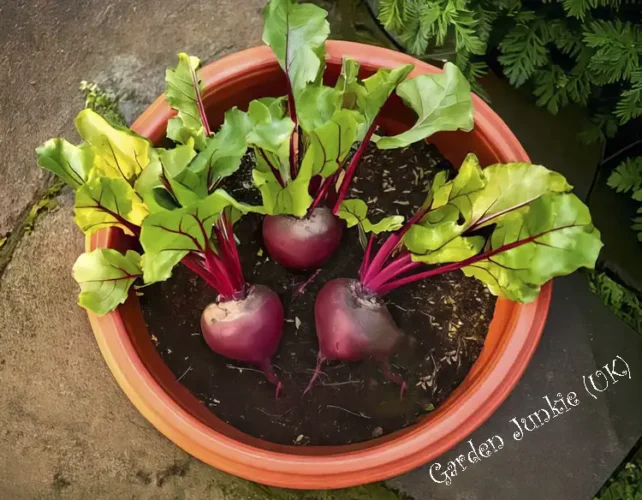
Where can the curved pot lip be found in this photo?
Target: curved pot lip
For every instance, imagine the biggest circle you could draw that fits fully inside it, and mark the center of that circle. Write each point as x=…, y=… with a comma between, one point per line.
x=337, y=466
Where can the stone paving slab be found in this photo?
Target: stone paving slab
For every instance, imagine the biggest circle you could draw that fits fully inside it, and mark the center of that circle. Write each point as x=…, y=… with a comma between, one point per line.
x=572, y=455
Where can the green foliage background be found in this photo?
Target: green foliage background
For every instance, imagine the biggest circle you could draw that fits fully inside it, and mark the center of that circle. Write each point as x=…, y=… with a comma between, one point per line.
x=587, y=52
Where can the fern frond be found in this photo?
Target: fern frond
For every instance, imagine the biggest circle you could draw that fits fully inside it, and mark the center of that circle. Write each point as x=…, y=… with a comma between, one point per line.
x=618, y=48
x=524, y=48
x=577, y=8
x=565, y=38
x=485, y=16
x=391, y=14
x=627, y=176
x=624, y=303
x=509, y=7
x=472, y=70
x=630, y=104
x=580, y=84
x=413, y=37
x=550, y=88
x=466, y=36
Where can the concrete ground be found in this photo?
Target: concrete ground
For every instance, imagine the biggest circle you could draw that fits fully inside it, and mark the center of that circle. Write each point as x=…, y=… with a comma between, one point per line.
x=66, y=429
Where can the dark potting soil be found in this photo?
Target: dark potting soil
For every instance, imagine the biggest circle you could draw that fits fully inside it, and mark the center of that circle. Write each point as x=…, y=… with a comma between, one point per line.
x=444, y=319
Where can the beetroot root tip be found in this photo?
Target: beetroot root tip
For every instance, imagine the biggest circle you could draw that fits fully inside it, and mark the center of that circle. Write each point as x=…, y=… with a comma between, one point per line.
x=404, y=386
x=267, y=369
x=315, y=375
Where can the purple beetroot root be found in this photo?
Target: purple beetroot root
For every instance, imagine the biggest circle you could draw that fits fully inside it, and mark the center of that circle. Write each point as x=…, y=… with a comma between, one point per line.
x=302, y=243
x=353, y=324
x=247, y=330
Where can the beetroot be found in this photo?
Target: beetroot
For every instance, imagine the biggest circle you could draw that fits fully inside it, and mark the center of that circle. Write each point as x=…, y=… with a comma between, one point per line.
x=302, y=243
x=352, y=324
x=248, y=329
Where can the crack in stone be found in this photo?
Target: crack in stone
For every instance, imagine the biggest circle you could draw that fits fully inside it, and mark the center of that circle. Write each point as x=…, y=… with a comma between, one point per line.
x=41, y=202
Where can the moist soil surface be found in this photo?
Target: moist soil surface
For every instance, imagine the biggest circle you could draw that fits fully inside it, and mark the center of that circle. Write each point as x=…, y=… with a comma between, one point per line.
x=444, y=321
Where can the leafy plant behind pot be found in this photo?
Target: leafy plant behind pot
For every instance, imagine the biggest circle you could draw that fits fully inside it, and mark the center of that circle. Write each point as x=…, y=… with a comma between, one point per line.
x=627, y=178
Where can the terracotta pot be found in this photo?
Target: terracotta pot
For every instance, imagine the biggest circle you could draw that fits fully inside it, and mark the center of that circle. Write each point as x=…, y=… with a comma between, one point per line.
x=514, y=332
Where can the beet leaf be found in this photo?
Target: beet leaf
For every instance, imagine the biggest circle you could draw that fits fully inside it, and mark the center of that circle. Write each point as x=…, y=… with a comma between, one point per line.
x=354, y=212
x=223, y=154
x=539, y=231
x=168, y=236
x=552, y=236
x=69, y=162
x=183, y=93
x=105, y=201
x=476, y=198
x=105, y=276
x=369, y=95
x=117, y=152
x=269, y=135
x=297, y=34
x=330, y=143
x=442, y=102
x=120, y=179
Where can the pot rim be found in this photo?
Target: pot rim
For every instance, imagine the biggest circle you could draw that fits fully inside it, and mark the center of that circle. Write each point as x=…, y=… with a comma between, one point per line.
x=326, y=466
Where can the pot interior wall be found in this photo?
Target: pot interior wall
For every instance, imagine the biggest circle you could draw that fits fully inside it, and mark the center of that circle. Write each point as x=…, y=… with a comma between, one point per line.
x=269, y=81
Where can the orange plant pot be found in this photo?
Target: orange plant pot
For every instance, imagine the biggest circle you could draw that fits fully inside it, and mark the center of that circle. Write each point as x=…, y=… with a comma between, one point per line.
x=513, y=336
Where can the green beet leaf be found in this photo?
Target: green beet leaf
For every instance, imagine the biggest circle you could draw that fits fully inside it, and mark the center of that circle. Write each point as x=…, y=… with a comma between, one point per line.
x=269, y=136
x=151, y=188
x=292, y=199
x=476, y=198
x=117, y=152
x=553, y=236
x=167, y=236
x=169, y=181
x=183, y=94
x=186, y=186
x=442, y=102
x=191, y=176
x=330, y=144
x=316, y=105
x=71, y=163
x=369, y=95
x=270, y=129
x=355, y=212
x=457, y=249
x=105, y=201
x=348, y=80
x=297, y=34
x=223, y=153
x=105, y=276
x=503, y=188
